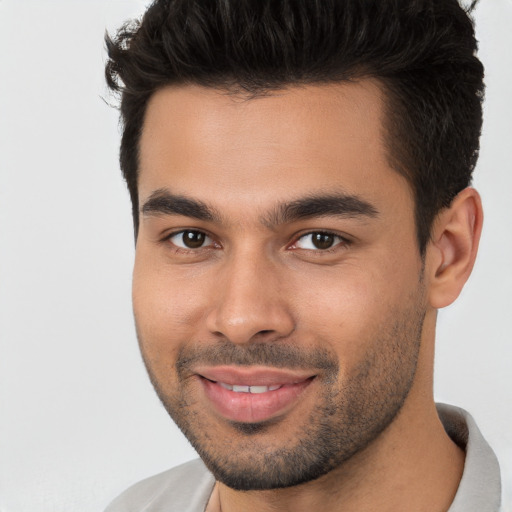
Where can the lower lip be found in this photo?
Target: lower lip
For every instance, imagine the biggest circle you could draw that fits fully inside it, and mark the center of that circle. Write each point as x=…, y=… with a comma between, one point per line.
x=253, y=407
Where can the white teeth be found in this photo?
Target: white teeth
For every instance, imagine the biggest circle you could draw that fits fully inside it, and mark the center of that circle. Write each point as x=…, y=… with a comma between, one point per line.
x=241, y=389
x=248, y=389
x=259, y=389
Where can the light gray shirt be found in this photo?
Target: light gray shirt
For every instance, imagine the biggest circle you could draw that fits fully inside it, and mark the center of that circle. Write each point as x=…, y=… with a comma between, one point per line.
x=187, y=488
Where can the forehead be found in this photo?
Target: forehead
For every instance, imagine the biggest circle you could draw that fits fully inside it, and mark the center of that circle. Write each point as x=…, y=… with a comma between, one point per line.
x=313, y=139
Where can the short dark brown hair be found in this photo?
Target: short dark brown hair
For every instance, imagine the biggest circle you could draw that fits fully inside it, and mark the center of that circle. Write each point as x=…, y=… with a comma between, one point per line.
x=423, y=53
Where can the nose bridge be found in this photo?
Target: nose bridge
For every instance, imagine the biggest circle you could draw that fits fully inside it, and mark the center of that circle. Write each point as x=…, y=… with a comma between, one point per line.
x=249, y=301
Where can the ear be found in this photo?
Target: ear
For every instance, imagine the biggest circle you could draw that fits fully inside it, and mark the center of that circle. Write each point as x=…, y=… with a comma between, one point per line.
x=451, y=253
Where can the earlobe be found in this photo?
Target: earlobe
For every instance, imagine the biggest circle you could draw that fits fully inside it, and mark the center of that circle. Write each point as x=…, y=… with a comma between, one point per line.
x=454, y=244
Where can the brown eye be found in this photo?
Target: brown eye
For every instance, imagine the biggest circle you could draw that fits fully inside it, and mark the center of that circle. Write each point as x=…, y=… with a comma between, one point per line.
x=190, y=239
x=322, y=240
x=318, y=241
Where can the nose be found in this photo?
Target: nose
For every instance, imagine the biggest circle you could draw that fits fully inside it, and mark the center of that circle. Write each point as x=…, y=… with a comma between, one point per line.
x=250, y=302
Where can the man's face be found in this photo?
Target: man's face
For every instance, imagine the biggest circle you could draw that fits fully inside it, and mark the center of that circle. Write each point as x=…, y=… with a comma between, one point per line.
x=278, y=288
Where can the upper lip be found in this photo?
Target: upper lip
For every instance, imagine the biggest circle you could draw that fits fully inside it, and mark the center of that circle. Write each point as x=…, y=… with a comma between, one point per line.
x=252, y=375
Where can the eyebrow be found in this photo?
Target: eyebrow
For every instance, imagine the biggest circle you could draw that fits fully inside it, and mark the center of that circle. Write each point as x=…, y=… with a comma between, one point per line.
x=163, y=202
x=329, y=205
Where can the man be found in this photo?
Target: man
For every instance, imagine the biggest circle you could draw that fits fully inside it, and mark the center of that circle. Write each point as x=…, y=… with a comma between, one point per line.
x=299, y=173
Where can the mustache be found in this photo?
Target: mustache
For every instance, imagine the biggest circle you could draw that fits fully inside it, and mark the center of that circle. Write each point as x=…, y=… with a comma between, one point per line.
x=276, y=355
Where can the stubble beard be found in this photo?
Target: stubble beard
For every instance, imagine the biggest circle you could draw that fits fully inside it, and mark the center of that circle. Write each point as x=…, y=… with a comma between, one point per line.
x=353, y=411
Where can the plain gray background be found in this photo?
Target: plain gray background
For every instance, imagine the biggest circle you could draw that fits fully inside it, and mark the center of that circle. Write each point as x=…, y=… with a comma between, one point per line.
x=78, y=419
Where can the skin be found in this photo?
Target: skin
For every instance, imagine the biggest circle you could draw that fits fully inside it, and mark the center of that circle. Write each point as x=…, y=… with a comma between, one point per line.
x=258, y=288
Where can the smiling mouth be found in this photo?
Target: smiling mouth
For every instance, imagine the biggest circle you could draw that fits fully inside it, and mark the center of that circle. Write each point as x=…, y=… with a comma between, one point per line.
x=238, y=388
x=249, y=396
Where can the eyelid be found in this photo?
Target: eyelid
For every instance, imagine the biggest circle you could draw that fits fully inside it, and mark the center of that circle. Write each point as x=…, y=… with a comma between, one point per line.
x=342, y=241
x=167, y=238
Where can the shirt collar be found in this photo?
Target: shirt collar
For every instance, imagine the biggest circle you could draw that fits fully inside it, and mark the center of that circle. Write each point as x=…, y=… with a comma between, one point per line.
x=480, y=486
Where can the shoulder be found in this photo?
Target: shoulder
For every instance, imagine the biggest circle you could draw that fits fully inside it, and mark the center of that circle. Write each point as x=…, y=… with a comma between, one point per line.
x=480, y=486
x=185, y=488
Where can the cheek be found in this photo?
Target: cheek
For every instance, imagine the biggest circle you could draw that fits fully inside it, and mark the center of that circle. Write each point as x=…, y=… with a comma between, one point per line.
x=350, y=308
x=167, y=308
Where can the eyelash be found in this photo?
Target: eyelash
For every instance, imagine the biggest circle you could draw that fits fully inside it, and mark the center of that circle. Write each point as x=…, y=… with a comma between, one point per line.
x=189, y=250
x=340, y=242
